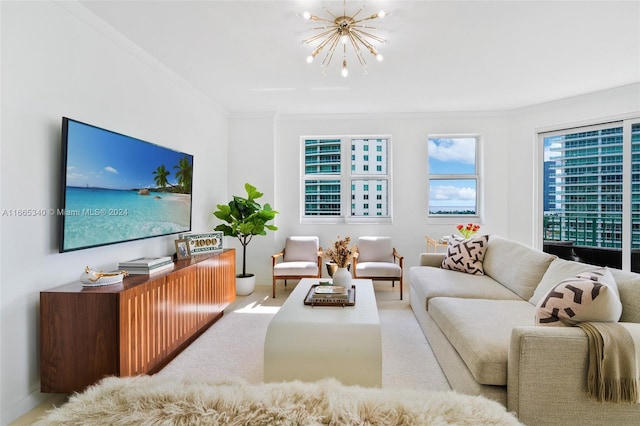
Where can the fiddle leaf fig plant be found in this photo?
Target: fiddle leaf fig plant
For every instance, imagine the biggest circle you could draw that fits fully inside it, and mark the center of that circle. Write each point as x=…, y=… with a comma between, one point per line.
x=245, y=218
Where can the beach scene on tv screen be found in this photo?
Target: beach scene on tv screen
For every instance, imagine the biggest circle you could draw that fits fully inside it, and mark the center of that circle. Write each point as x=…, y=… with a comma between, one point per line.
x=120, y=188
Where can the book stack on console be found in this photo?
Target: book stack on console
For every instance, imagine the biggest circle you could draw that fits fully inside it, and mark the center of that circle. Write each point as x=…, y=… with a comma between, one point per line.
x=146, y=265
x=330, y=293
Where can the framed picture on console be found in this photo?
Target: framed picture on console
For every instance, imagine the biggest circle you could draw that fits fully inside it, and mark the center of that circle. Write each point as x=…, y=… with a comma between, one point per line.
x=182, y=249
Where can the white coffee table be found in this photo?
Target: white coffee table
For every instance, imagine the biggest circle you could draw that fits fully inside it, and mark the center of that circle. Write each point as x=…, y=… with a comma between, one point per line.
x=309, y=343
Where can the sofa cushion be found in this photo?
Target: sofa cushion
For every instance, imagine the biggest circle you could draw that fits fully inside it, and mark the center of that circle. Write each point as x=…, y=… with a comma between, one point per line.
x=429, y=282
x=466, y=255
x=480, y=331
x=378, y=269
x=589, y=296
x=628, y=284
x=375, y=249
x=295, y=268
x=301, y=249
x=558, y=270
x=515, y=265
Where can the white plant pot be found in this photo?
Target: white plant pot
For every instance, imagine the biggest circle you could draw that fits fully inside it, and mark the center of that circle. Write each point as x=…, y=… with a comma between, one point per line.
x=342, y=277
x=245, y=285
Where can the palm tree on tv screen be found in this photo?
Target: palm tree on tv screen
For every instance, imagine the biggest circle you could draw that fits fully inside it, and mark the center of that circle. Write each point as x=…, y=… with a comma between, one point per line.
x=161, y=174
x=184, y=173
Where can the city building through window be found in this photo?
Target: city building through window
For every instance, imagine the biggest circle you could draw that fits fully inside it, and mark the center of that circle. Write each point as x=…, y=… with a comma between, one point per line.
x=342, y=168
x=591, y=194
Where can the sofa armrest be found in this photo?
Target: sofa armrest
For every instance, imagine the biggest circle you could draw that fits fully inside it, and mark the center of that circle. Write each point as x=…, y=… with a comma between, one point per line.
x=431, y=259
x=547, y=380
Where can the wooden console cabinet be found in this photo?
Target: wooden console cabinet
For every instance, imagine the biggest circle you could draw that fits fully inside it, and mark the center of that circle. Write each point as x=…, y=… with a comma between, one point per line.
x=135, y=327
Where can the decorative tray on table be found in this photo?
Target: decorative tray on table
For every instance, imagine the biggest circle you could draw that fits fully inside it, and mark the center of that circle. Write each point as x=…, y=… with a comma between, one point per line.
x=328, y=295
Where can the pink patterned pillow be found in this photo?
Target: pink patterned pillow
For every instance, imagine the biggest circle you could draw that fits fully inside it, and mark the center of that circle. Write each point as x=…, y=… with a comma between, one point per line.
x=589, y=296
x=466, y=255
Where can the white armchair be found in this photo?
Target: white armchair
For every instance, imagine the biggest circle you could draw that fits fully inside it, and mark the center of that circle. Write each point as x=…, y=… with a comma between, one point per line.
x=376, y=258
x=301, y=257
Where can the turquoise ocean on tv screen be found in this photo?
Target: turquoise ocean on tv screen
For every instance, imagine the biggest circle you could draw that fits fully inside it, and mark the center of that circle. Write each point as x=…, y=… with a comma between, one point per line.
x=96, y=216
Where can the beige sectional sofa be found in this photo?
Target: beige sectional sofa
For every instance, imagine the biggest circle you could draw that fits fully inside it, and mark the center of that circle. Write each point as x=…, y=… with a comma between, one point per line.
x=481, y=329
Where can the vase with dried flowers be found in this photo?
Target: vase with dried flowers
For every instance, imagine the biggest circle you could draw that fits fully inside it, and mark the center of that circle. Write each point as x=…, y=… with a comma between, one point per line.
x=341, y=254
x=468, y=230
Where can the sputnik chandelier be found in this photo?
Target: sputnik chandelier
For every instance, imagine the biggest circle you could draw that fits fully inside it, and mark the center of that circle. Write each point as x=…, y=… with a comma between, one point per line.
x=343, y=30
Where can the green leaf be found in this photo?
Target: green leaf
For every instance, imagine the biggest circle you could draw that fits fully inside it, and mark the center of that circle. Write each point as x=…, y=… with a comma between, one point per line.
x=252, y=192
x=245, y=217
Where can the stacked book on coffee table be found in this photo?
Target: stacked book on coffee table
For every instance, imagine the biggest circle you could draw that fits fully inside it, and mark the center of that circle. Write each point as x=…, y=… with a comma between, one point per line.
x=146, y=265
x=330, y=295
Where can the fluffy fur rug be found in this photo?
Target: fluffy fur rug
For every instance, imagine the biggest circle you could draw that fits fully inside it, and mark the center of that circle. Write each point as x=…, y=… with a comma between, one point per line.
x=158, y=400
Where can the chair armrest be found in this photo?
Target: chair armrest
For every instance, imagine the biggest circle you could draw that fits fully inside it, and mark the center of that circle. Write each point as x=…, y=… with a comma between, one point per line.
x=431, y=259
x=397, y=256
x=354, y=261
x=274, y=257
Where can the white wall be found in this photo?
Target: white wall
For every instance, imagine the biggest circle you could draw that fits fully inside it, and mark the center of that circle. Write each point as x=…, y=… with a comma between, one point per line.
x=508, y=164
x=59, y=60
x=524, y=167
x=252, y=160
x=409, y=141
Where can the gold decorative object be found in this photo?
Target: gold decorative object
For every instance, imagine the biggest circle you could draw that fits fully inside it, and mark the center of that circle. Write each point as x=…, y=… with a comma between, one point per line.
x=342, y=29
x=93, y=278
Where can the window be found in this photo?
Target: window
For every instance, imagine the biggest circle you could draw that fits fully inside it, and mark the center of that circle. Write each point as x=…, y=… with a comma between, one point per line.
x=590, y=205
x=336, y=169
x=454, y=178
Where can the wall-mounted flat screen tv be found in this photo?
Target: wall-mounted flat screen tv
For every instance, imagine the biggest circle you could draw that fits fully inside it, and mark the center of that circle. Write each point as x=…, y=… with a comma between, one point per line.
x=117, y=188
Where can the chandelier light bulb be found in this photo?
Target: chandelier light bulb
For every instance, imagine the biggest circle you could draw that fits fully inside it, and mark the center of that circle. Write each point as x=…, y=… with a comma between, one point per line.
x=306, y=15
x=379, y=57
x=382, y=14
x=309, y=59
x=344, y=39
x=345, y=71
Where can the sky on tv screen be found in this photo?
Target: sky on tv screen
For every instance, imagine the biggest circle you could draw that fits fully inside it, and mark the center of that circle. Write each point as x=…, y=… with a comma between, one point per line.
x=102, y=159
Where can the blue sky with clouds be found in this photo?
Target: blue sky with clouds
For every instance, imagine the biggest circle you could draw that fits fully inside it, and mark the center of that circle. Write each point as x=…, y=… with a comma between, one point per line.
x=452, y=156
x=104, y=159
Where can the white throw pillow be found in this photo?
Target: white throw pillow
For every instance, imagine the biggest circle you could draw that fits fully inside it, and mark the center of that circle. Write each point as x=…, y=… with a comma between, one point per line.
x=589, y=296
x=466, y=255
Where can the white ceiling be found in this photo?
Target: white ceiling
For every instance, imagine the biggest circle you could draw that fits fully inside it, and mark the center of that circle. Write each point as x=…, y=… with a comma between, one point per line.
x=441, y=56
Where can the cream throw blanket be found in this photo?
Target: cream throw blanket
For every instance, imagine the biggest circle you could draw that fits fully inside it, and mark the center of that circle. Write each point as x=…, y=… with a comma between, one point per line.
x=614, y=361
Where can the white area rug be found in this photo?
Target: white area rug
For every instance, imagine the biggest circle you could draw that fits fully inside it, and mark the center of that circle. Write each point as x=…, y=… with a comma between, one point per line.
x=164, y=400
x=232, y=350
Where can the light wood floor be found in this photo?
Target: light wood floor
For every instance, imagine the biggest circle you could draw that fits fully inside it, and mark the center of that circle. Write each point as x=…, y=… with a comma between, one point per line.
x=32, y=416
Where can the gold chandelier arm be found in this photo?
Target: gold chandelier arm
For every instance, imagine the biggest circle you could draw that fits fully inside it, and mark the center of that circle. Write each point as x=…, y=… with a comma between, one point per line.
x=356, y=14
x=366, y=44
x=319, y=36
x=356, y=48
x=335, y=38
x=368, y=18
x=319, y=19
x=329, y=12
x=367, y=34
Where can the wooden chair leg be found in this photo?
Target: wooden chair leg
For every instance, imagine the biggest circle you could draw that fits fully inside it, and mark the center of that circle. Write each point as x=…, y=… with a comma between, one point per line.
x=274, y=287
